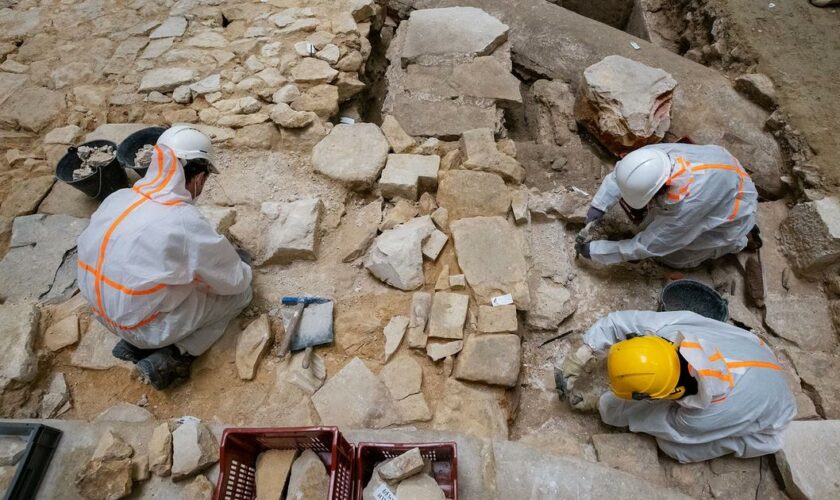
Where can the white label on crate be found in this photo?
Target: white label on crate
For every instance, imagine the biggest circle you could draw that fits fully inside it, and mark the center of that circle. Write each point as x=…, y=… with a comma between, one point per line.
x=384, y=493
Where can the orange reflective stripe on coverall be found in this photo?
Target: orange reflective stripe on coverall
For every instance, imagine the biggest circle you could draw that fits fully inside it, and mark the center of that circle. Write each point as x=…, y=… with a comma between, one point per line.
x=742, y=404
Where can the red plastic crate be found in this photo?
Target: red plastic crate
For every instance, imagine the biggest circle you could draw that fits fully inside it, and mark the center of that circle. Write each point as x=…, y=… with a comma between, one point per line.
x=443, y=456
x=241, y=447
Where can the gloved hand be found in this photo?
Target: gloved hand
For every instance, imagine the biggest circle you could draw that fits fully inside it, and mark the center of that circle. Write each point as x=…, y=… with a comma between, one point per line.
x=569, y=370
x=582, y=248
x=594, y=214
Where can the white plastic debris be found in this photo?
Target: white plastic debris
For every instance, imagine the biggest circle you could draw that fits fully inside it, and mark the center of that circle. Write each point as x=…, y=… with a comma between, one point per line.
x=347, y=120
x=502, y=300
x=635, y=45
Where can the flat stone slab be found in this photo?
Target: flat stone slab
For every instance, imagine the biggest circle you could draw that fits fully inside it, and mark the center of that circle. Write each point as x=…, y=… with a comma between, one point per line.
x=293, y=231
x=354, y=154
x=493, y=359
x=454, y=31
x=40, y=247
x=445, y=119
x=449, y=312
x=810, y=235
x=19, y=325
x=94, y=350
x=483, y=77
x=408, y=175
x=356, y=398
x=812, y=368
x=810, y=459
x=804, y=320
x=492, y=259
x=467, y=193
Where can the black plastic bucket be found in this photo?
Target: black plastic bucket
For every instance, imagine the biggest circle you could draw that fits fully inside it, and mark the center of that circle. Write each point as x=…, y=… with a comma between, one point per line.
x=129, y=147
x=690, y=295
x=97, y=185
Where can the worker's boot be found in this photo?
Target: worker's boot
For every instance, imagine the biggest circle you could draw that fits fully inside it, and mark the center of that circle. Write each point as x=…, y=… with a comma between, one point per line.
x=165, y=366
x=127, y=352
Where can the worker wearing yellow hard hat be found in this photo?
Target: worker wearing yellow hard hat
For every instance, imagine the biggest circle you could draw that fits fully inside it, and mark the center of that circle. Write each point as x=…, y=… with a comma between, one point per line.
x=701, y=387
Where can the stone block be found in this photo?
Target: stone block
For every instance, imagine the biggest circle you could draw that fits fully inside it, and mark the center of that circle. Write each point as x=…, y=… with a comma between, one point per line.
x=31, y=108
x=165, y=79
x=398, y=139
x=172, y=27
x=491, y=359
x=445, y=119
x=480, y=153
x=440, y=350
x=251, y=346
x=625, y=104
x=482, y=77
x=194, y=448
x=313, y=71
x=448, y=314
x=551, y=305
x=396, y=256
x=457, y=281
x=160, y=450
x=19, y=324
x=354, y=154
x=476, y=410
x=466, y=193
x=759, y=89
x=451, y=32
x=434, y=244
x=293, y=231
x=408, y=175
x=273, y=468
x=394, y=332
x=358, y=230
x=62, y=334
x=810, y=459
x=497, y=319
x=492, y=260
x=356, y=398
x=403, y=377
x=308, y=478
x=421, y=305
x=94, y=350
x=810, y=235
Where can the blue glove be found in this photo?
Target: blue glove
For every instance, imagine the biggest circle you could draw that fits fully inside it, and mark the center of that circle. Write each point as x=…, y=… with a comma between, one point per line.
x=594, y=214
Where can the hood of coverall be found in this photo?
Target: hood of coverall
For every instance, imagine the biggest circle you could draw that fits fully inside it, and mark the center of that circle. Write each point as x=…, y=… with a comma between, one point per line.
x=165, y=181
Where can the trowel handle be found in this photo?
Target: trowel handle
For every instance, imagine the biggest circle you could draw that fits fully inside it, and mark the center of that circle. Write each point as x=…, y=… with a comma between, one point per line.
x=294, y=324
x=307, y=358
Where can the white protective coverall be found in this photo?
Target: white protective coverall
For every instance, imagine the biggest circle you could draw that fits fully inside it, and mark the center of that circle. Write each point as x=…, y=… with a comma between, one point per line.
x=708, y=211
x=153, y=268
x=743, y=402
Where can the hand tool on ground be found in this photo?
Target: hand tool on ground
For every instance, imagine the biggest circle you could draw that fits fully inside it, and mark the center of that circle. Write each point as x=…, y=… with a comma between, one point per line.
x=584, y=235
x=305, y=331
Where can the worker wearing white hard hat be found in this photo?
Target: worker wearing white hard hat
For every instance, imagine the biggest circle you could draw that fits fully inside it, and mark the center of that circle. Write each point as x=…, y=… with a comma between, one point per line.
x=155, y=271
x=701, y=204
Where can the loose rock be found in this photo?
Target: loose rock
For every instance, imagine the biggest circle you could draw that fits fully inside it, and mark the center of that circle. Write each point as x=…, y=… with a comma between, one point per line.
x=421, y=304
x=394, y=332
x=498, y=319
x=402, y=466
x=354, y=154
x=273, y=468
x=408, y=175
x=62, y=334
x=420, y=487
x=624, y=103
x=453, y=31
x=293, y=231
x=403, y=376
x=399, y=141
x=355, y=398
x=465, y=193
x=396, y=255
x=758, y=88
x=448, y=314
x=551, y=305
x=480, y=153
x=251, y=346
x=438, y=350
x=309, y=478
x=105, y=479
x=200, y=488
x=194, y=448
x=160, y=450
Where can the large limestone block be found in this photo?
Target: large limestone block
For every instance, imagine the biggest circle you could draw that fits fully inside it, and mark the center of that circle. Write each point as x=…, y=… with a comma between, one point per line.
x=805, y=320
x=492, y=259
x=408, y=175
x=624, y=103
x=455, y=31
x=472, y=409
x=293, y=230
x=481, y=153
x=41, y=247
x=493, y=359
x=810, y=459
x=466, y=193
x=812, y=368
x=811, y=235
x=527, y=470
x=482, y=77
x=446, y=119
x=19, y=325
x=396, y=255
x=31, y=108
x=448, y=314
x=356, y=398
x=353, y=154
x=165, y=79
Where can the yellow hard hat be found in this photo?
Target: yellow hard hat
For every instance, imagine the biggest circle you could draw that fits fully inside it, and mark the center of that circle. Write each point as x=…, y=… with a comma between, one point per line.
x=644, y=367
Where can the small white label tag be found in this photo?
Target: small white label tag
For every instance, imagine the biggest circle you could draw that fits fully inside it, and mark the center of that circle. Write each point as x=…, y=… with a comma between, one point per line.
x=383, y=493
x=502, y=300
x=347, y=120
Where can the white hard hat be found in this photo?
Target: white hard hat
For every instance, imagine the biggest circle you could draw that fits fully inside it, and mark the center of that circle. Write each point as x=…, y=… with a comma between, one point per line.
x=640, y=174
x=189, y=144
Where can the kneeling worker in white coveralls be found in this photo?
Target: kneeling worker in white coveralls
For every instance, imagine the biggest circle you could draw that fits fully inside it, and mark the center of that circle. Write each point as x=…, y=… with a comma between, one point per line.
x=702, y=388
x=701, y=204
x=155, y=271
